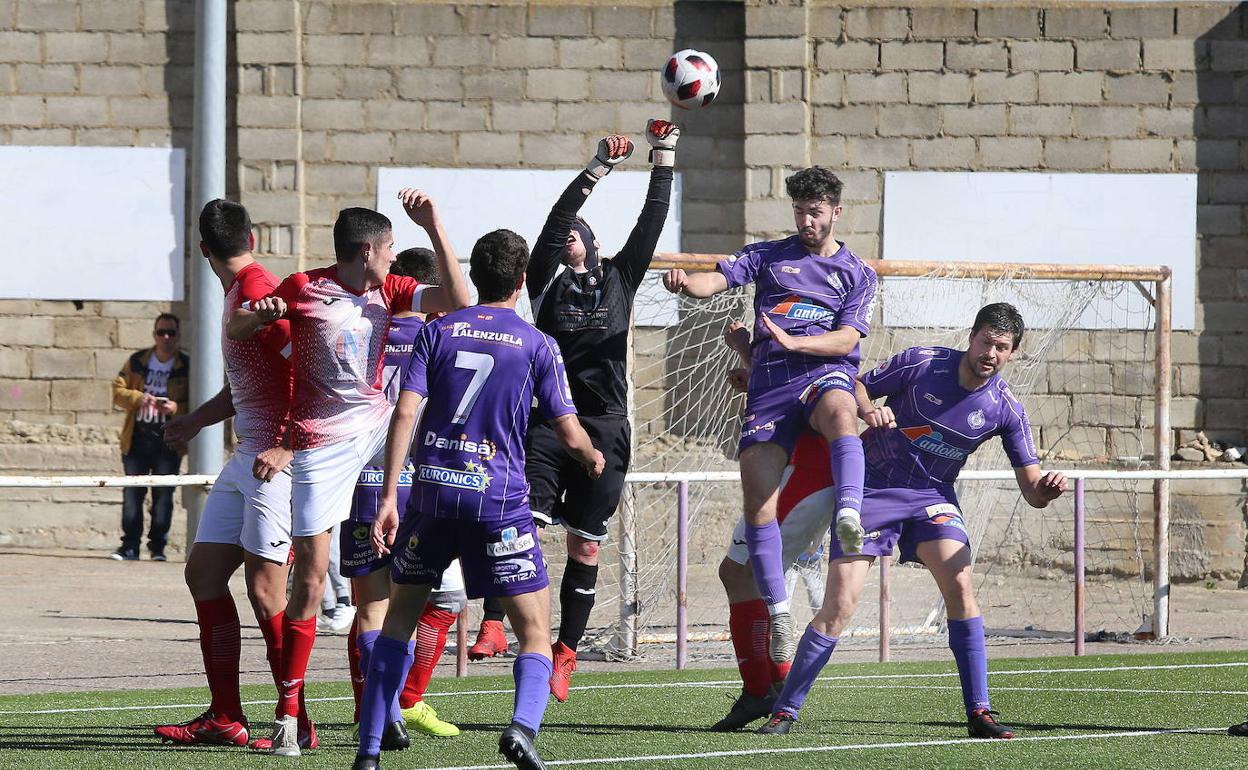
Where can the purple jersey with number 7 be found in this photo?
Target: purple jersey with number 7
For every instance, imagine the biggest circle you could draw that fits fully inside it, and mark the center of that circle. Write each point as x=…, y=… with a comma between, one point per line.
x=939, y=423
x=805, y=295
x=479, y=369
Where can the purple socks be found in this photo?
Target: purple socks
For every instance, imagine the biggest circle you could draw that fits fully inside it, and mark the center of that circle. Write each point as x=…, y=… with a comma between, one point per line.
x=388, y=662
x=812, y=655
x=764, y=545
x=966, y=639
x=531, y=673
x=849, y=467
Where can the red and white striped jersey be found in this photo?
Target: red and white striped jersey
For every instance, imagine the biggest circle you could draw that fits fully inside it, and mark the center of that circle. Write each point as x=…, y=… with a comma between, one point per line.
x=258, y=369
x=339, y=339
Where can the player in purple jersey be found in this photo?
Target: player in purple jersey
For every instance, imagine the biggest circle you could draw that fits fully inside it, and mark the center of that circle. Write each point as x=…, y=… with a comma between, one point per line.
x=812, y=304
x=480, y=370
x=942, y=404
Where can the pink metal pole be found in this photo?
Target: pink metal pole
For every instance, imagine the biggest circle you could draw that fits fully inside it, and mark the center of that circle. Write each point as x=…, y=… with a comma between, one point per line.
x=885, y=611
x=682, y=572
x=461, y=644
x=1080, y=597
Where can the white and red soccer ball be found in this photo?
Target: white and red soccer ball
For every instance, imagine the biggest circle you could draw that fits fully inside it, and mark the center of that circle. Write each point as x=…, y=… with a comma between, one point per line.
x=690, y=79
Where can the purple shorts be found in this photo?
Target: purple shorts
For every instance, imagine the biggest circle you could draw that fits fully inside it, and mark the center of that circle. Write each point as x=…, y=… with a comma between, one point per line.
x=355, y=536
x=780, y=414
x=499, y=558
x=907, y=516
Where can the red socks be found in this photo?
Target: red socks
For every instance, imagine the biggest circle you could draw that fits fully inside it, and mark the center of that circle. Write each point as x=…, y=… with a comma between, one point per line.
x=298, y=636
x=430, y=642
x=748, y=624
x=271, y=630
x=221, y=641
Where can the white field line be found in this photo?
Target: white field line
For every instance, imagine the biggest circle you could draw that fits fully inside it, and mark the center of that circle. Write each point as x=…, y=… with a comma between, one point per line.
x=710, y=683
x=854, y=747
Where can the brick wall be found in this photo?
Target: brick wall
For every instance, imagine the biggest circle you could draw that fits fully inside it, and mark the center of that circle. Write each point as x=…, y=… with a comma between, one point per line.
x=324, y=93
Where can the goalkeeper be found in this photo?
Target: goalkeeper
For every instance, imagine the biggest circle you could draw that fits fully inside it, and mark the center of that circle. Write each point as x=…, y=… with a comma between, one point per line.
x=942, y=405
x=586, y=304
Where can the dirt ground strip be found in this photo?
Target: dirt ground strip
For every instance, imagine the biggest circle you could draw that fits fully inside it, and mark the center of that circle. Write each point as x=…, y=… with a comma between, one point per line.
x=76, y=620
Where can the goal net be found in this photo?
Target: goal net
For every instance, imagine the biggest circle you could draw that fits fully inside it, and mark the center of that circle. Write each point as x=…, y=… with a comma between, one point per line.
x=1085, y=374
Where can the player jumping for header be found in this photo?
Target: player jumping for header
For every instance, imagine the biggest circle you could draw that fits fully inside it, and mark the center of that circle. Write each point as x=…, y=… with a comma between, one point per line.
x=339, y=316
x=586, y=304
x=942, y=405
x=480, y=370
x=813, y=302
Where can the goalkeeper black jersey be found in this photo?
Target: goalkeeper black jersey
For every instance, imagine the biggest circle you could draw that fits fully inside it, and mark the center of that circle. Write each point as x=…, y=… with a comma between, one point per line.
x=588, y=313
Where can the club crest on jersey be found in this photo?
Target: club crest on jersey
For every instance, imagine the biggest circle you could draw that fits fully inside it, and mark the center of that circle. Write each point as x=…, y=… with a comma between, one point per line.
x=485, y=449
x=834, y=280
x=511, y=542
x=976, y=419
x=793, y=308
x=473, y=478
x=930, y=441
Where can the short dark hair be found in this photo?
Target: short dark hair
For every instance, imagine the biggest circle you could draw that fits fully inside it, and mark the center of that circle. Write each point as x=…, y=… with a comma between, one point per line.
x=419, y=263
x=498, y=261
x=814, y=184
x=357, y=227
x=168, y=317
x=1000, y=317
x=225, y=228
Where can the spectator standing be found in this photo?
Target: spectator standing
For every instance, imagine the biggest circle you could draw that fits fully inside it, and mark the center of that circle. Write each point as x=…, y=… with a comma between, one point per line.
x=152, y=386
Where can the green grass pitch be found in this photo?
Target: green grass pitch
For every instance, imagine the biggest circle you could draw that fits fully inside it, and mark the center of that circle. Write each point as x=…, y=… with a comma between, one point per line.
x=1092, y=712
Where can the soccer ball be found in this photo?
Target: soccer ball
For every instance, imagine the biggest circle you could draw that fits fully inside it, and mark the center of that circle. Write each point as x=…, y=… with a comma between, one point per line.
x=690, y=79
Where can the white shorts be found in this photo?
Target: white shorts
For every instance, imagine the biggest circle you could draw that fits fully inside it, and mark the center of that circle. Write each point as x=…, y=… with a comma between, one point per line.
x=802, y=529
x=325, y=477
x=242, y=510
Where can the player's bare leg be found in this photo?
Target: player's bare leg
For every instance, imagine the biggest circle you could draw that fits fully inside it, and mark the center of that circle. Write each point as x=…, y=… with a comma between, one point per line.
x=530, y=620
x=846, y=578
x=762, y=467
x=388, y=668
x=950, y=564
x=576, y=600
x=835, y=417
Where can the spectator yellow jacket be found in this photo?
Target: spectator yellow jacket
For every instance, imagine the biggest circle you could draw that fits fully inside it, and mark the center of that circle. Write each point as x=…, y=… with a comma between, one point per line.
x=128, y=390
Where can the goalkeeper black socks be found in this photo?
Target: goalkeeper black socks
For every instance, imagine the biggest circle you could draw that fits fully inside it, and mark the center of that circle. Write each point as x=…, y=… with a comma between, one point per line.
x=576, y=601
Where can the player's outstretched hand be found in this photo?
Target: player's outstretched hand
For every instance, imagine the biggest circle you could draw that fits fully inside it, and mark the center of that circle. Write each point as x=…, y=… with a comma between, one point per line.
x=269, y=309
x=662, y=136
x=419, y=207
x=675, y=280
x=612, y=151
x=271, y=462
x=782, y=338
x=739, y=379
x=180, y=430
x=879, y=417
x=1052, y=485
x=385, y=525
x=600, y=463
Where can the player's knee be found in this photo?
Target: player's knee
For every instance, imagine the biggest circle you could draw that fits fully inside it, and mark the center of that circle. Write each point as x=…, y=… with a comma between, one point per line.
x=582, y=550
x=735, y=578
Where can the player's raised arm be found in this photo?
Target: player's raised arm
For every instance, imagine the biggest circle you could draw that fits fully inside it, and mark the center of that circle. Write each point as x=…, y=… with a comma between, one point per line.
x=1039, y=489
x=634, y=258
x=452, y=294
x=696, y=285
x=246, y=322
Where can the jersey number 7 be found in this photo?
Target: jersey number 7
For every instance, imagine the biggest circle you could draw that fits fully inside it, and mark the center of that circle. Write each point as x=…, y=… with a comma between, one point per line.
x=481, y=364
